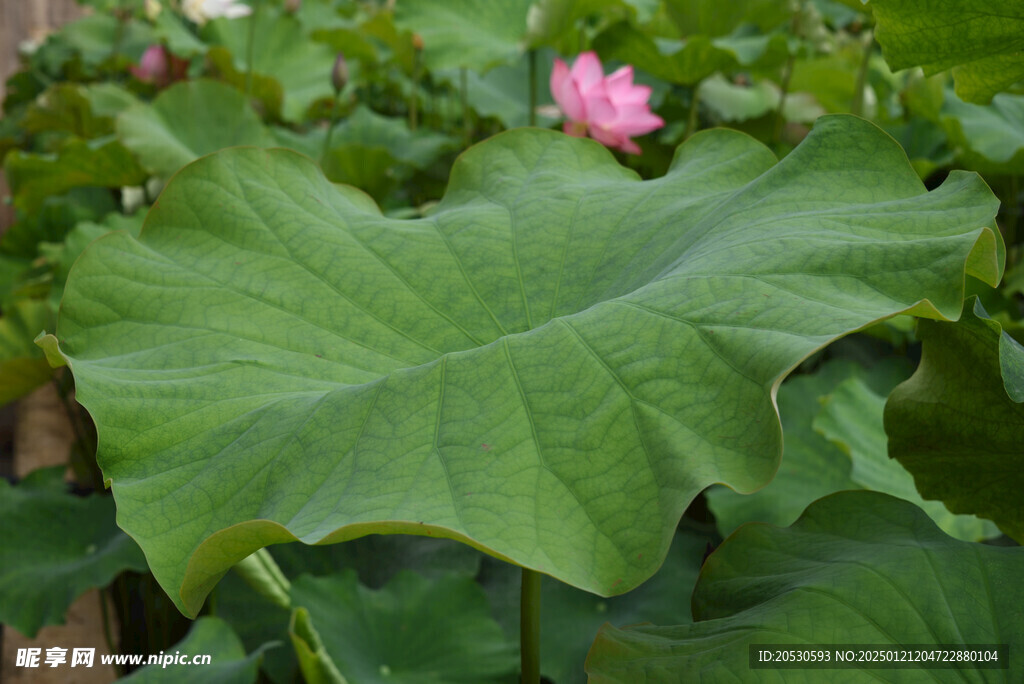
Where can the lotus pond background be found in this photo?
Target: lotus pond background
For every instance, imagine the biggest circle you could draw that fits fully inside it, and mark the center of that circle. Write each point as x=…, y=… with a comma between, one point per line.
x=761, y=382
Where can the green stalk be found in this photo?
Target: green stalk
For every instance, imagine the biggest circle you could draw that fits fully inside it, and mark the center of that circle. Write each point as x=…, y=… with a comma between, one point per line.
x=330, y=130
x=1013, y=212
x=464, y=98
x=693, y=120
x=107, y=634
x=529, y=627
x=780, y=119
x=263, y=575
x=249, y=48
x=533, y=86
x=787, y=74
x=414, y=100
x=857, y=106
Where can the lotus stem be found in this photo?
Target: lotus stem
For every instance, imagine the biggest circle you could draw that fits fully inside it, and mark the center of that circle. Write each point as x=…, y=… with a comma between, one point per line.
x=693, y=120
x=108, y=635
x=533, y=86
x=330, y=128
x=529, y=626
x=464, y=98
x=249, y=48
x=857, y=106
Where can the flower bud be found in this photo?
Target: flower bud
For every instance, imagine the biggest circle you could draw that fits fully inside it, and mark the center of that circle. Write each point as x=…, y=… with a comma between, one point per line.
x=339, y=74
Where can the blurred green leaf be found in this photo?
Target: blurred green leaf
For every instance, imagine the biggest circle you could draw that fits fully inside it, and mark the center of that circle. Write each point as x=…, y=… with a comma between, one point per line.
x=497, y=33
x=709, y=18
x=986, y=138
x=55, y=547
x=209, y=636
x=23, y=367
x=372, y=152
x=103, y=162
x=300, y=67
x=99, y=36
x=65, y=107
x=686, y=61
x=186, y=121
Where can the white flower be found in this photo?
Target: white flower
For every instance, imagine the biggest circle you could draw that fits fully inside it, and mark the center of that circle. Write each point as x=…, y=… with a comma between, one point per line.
x=201, y=11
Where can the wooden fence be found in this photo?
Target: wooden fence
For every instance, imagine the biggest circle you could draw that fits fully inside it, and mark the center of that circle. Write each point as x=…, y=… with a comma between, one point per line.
x=22, y=20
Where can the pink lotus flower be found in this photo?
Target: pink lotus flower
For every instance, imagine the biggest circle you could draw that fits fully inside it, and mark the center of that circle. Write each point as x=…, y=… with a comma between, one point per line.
x=611, y=109
x=159, y=66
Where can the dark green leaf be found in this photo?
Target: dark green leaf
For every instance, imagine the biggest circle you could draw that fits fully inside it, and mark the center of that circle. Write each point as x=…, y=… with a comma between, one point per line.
x=23, y=367
x=958, y=424
x=983, y=43
x=857, y=568
x=413, y=630
x=55, y=547
x=209, y=636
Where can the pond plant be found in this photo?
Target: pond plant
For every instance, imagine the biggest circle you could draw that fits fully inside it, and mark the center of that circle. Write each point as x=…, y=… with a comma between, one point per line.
x=397, y=358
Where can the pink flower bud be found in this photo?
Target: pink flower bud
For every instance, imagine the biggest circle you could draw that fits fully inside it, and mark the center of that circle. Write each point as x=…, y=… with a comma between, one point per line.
x=153, y=66
x=339, y=74
x=608, y=108
x=160, y=67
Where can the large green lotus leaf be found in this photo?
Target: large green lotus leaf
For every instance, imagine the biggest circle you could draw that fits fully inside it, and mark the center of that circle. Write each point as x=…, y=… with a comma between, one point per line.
x=856, y=568
x=229, y=663
x=55, y=546
x=413, y=630
x=103, y=162
x=284, y=54
x=812, y=467
x=983, y=43
x=851, y=417
x=22, y=367
x=958, y=424
x=497, y=36
x=569, y=618
x=549, y=367
x=987, y=138
x=186, y=121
